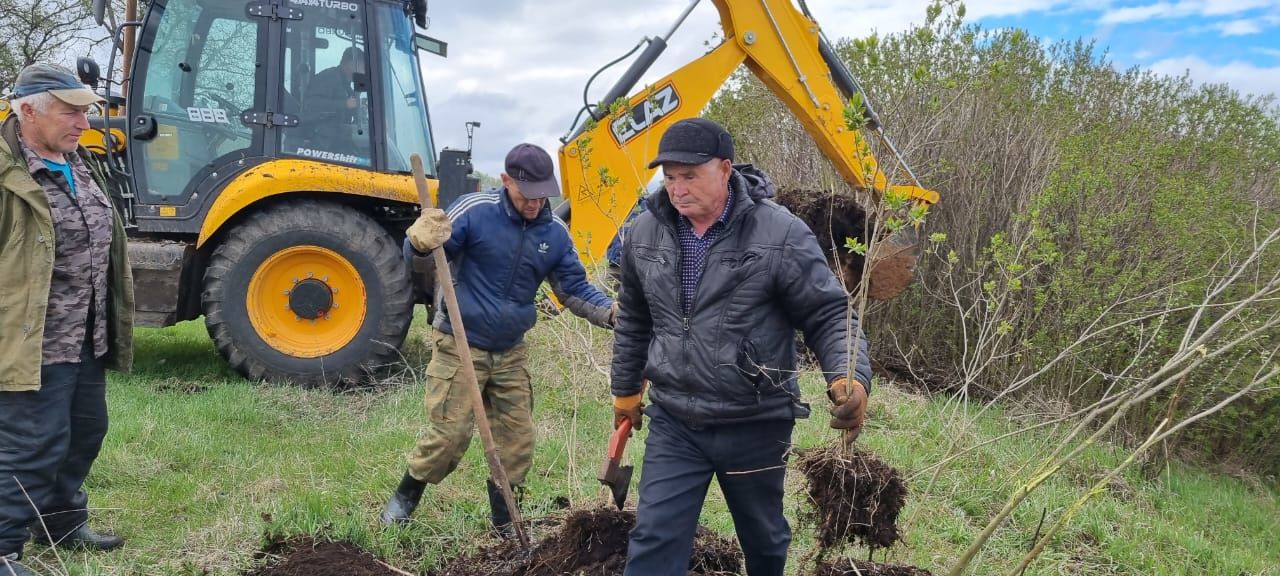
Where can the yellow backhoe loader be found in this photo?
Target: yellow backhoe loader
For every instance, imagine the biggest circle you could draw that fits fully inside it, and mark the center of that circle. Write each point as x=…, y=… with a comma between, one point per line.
x=260, y=153
x=603, y=162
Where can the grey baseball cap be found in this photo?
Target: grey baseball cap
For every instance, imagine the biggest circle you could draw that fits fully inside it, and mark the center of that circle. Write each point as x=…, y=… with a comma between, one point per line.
x=55, y=80
x=693, y=141
x=532, y=167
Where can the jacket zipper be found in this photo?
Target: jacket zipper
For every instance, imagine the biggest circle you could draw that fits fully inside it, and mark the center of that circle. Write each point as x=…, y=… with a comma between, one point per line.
x=519, y=256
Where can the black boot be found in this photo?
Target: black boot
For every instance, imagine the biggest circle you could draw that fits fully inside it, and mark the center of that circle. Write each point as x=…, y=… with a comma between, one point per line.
x=9, y=566
x=403, y=501
x=82, y=537
x=499, y=514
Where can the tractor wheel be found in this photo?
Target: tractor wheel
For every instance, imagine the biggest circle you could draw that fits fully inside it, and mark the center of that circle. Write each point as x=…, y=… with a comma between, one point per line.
x=308, y=292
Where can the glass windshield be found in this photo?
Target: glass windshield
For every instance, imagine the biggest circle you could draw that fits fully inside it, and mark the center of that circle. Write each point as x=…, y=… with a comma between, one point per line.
x=325, y=85
x=408, y=131
x=203, y=71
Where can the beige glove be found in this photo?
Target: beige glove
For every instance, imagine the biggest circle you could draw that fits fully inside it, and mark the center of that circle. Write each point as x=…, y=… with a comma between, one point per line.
x=430, y=230
x=630, y=407
x=850, y=407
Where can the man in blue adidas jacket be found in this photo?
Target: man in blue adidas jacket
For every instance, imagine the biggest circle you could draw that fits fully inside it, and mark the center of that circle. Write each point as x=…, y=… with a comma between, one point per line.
x=501, y=245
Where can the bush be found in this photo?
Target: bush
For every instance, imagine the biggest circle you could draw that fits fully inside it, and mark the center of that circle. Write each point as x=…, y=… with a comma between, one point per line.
x=1069, y=189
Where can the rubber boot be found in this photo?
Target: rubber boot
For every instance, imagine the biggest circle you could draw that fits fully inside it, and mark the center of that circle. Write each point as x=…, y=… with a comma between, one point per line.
x=499, y=514
x=9, y=565
x=403, y=501
x=82, y=537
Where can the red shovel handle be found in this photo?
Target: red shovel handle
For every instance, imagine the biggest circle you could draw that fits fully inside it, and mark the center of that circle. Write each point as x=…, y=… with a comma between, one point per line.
x=618, y=440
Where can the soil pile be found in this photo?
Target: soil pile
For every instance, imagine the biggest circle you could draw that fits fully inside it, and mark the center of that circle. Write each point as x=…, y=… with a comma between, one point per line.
x=590, y=542
x=307, y=557
x=834, y=217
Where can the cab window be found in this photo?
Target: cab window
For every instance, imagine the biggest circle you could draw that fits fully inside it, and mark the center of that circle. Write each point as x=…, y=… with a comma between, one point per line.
x=326, y=85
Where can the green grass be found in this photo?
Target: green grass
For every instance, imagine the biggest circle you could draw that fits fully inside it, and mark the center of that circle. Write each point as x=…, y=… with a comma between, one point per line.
x=200, y=467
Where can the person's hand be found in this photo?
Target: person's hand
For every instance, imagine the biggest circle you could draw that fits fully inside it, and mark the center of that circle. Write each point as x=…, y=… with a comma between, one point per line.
x=849, y=407
x=352, y=103
x=613, y=314
x=430, y=230
x=629, y=407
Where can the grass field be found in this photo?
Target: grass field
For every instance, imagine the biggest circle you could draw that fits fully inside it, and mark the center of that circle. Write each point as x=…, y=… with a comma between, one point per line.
x=200, y=466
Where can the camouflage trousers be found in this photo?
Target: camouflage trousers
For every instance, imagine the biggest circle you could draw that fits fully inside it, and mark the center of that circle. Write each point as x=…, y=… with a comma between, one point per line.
x=508, y=403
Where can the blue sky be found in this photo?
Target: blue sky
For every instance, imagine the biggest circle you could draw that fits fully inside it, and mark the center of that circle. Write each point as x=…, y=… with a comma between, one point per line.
x=1233, y=42
x=519, y=66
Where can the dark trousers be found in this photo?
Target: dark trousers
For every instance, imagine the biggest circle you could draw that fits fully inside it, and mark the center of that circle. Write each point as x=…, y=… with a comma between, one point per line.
x=748, y=460
x=49, y=439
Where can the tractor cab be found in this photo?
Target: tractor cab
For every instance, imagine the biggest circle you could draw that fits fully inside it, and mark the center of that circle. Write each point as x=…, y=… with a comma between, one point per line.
x=219, y=87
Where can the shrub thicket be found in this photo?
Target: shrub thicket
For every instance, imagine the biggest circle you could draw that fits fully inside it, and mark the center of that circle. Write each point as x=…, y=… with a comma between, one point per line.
x=1070, y=189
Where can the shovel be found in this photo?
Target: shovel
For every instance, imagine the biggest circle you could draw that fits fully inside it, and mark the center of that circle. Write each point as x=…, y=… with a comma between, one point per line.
x=612, y=473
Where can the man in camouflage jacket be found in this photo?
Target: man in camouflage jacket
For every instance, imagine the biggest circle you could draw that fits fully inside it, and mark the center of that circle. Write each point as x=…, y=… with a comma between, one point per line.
x=66, y=314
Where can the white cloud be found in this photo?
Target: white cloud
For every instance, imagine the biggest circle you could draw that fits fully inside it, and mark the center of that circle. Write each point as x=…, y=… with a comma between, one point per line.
x=1182, y=9
x=519, y=66
x=539, y=55
x=1246, y=77
x=1239, y=27
x=1227, y=7
x=1130, y=14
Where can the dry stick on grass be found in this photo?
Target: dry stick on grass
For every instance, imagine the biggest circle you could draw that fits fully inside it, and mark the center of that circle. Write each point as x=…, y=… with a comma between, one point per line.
x=1157, y=436
x=444, y=279
x=393, y=568
x=1197, y=348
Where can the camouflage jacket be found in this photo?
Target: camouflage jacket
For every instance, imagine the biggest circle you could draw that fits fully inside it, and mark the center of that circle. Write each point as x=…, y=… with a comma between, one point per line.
x=27, y=257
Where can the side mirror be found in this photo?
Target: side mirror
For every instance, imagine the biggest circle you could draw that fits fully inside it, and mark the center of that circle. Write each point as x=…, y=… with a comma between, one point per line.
x=88, y=71
x=99, y=11
x=432, y=45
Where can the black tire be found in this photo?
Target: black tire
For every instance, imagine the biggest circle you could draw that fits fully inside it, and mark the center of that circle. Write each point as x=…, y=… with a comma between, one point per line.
x=326, y=228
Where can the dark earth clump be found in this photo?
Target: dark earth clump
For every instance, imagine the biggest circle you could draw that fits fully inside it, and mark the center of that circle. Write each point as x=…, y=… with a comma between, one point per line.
x=832, y=217
x=308, y=557
x=855, y=496
x=590, y=542
x=847, y=567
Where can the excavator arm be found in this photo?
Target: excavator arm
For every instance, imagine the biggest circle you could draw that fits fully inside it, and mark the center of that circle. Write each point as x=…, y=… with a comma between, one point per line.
x=603, y=162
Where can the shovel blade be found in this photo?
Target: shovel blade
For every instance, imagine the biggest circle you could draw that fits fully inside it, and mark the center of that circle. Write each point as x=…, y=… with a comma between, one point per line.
x=620, y=485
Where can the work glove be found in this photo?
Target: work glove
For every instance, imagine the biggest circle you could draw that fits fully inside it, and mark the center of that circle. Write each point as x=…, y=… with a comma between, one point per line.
x=629, y=407
x=849, y=407
x=430, y=230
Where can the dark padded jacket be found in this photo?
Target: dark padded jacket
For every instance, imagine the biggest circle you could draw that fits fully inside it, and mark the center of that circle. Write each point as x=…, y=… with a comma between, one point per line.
x=733, y=358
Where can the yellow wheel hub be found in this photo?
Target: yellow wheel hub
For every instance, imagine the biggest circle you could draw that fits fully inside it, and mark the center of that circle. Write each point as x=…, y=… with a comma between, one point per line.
x=306, y=301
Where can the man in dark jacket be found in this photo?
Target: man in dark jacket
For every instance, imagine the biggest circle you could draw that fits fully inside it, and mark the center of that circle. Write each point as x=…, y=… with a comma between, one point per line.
x=333, y=107
x=716, y=279
x=66, y=315
x=502, y=246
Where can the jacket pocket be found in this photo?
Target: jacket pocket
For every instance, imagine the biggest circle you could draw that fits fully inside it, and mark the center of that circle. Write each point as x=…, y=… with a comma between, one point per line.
x=655, y=271
x=743, y=271
x=759, y=369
